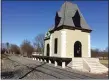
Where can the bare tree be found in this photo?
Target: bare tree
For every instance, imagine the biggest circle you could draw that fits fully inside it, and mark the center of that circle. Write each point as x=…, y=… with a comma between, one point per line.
x=8, y=47
x=3, y=45
x=107, y=49
x=39, y=43
x=26, y=48
x=94, y=52
x=14, y=49
x=102, y=54
x=3, y=48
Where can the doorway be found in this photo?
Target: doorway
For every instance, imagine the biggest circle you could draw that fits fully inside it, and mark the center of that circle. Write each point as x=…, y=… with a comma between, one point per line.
x=77, y=49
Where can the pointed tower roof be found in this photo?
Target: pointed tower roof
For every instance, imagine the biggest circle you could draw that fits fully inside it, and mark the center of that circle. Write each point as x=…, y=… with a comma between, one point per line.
x=70, y=15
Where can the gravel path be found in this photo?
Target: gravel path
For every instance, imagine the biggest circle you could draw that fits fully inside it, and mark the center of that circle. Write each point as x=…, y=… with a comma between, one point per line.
x=26, y=68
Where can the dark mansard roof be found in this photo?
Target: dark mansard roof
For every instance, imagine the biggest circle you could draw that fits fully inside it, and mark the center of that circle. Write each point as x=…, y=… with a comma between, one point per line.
x=70, y=16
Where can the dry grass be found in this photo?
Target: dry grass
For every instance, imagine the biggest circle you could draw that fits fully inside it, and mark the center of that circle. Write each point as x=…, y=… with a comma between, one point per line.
x=104, y=62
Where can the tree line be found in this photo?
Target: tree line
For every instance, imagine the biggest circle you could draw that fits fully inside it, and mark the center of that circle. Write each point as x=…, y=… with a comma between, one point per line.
x=26, y=48
x=101, y=54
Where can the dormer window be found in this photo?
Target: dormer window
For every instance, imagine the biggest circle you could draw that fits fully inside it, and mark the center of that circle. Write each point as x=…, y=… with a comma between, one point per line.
x=57, y=19
x=76, y=19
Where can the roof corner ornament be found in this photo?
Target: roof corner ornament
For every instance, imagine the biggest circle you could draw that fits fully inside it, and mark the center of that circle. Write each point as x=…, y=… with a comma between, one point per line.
x=47, y=35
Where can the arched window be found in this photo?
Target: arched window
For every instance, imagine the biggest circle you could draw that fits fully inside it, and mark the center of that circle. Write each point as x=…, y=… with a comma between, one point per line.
x=47, y=50
x=55, y=45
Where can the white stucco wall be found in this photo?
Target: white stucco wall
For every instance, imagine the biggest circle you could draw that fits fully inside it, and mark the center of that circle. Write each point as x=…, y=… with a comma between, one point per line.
x=66, y=40
x=45, y=46
x=76, y=35
x=56, y=34
x=89, y=46
x=63, y=43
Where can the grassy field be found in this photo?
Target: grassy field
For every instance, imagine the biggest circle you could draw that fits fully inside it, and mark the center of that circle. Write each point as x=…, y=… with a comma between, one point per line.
x=104, y=62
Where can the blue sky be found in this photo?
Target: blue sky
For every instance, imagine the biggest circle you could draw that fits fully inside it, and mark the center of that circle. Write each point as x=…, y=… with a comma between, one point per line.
x=26, y=19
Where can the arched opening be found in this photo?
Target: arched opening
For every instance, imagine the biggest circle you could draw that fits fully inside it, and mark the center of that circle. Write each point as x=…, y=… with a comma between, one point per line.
x=55, y=45
x=77, y=49
x=48, y=50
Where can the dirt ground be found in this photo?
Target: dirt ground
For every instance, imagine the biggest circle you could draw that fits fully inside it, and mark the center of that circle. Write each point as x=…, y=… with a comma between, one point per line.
x=19, y=67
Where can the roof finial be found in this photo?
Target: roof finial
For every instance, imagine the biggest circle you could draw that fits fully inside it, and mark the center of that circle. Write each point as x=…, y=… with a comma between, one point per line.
x=69, y=1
